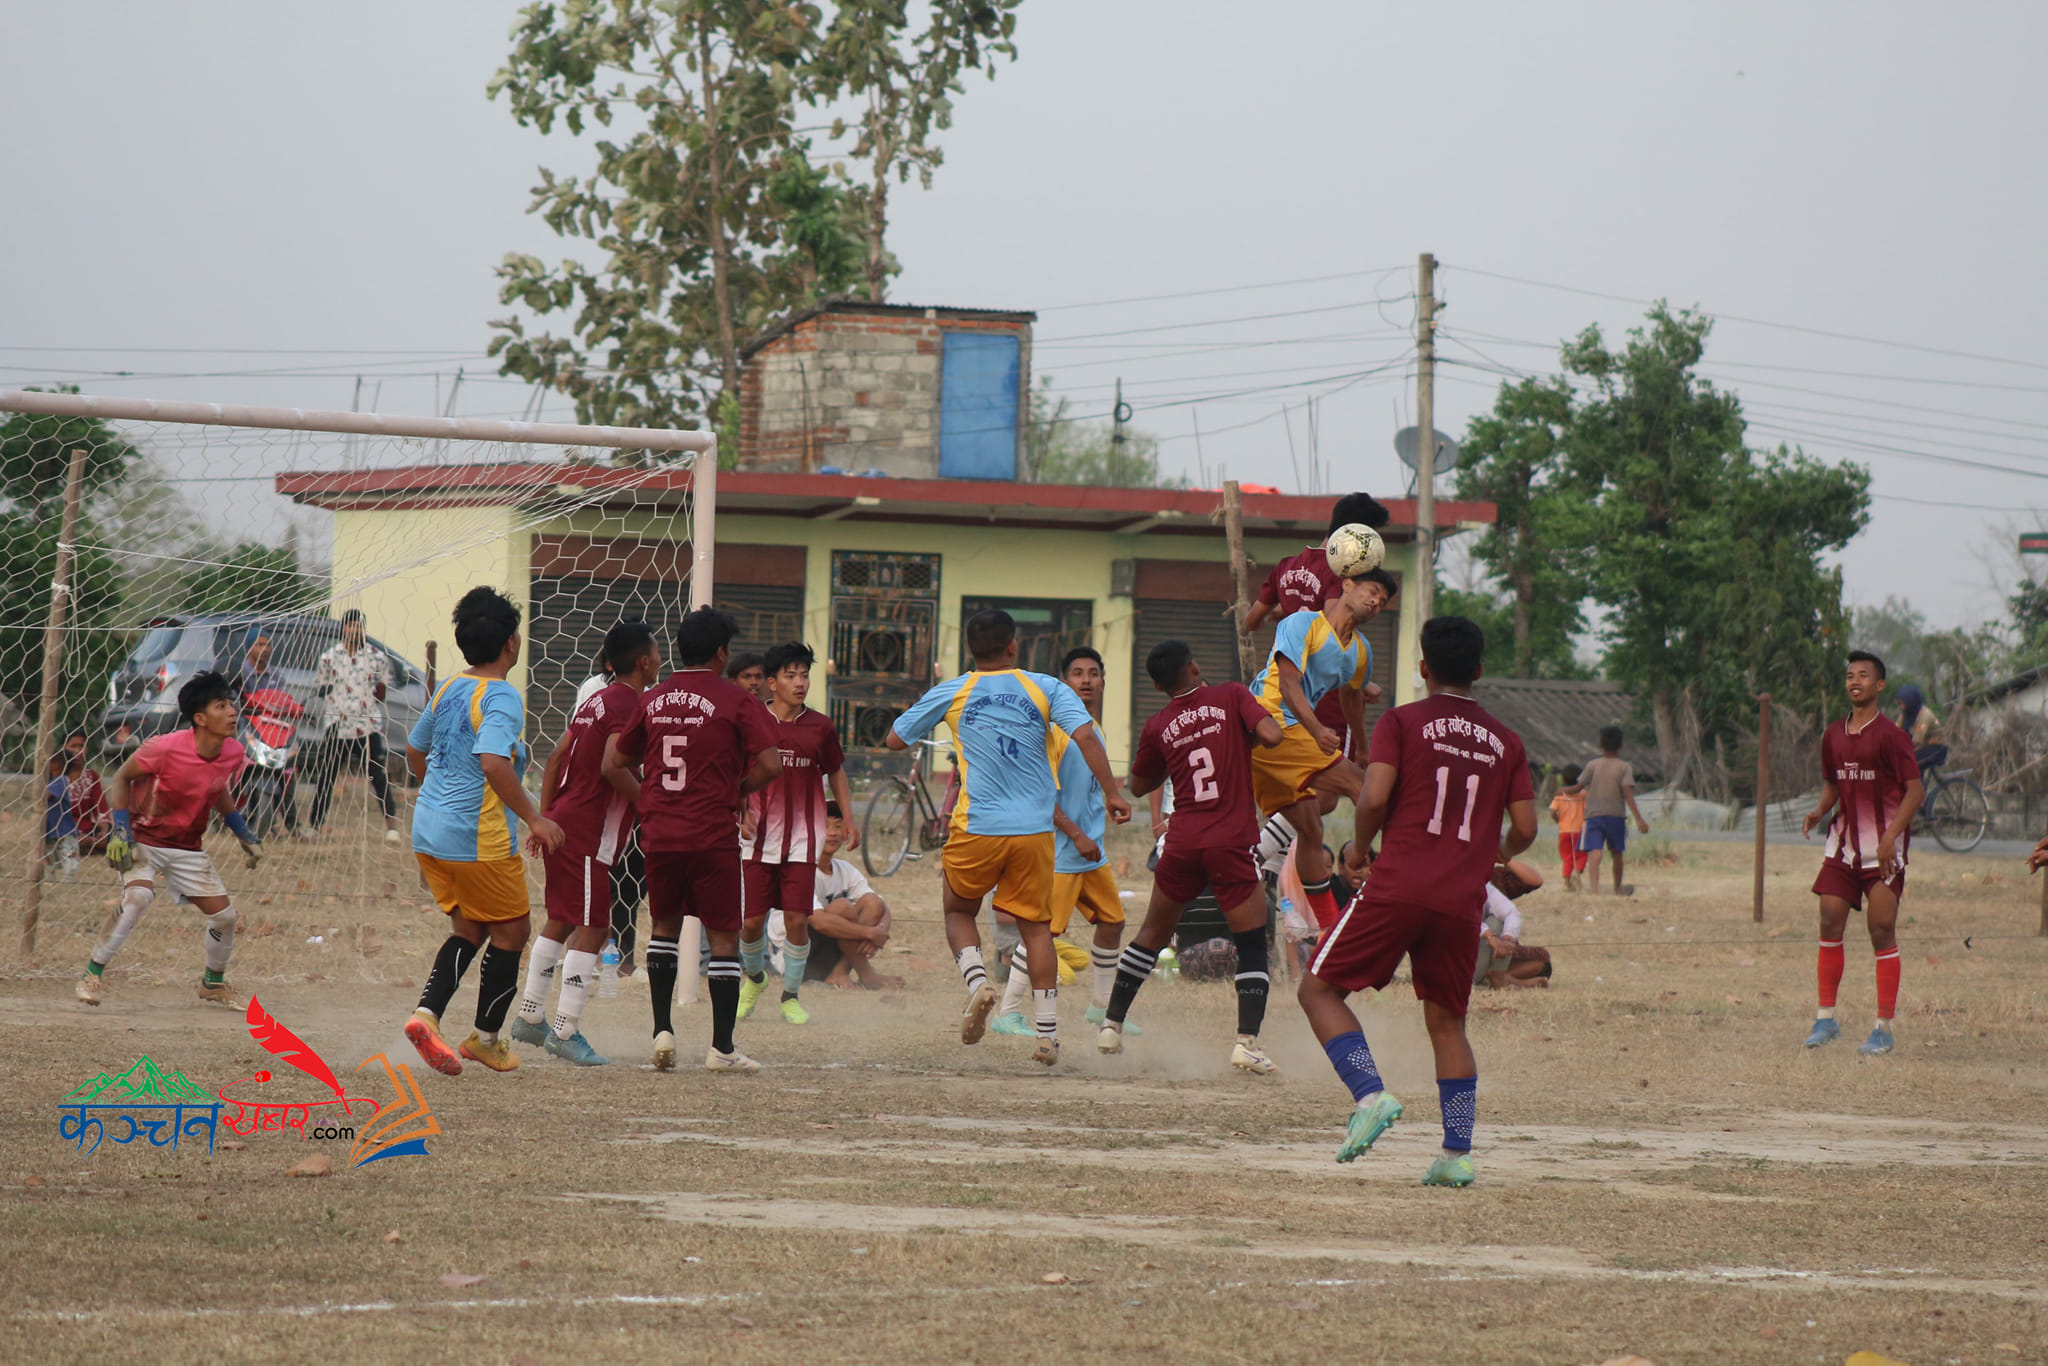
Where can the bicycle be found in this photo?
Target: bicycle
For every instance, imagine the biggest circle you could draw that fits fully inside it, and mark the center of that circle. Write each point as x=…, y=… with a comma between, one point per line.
x=902, y=812
x=1955, y=811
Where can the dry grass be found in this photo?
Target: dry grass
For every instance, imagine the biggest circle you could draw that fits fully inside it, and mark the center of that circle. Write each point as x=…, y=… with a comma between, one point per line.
x=1663, y=1169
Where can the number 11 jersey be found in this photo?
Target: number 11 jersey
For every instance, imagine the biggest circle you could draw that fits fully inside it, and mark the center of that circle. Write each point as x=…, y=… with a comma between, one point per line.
x=1458, y=769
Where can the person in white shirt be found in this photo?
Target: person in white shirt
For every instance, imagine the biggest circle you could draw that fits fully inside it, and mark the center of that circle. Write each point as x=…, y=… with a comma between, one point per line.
x=1504, y=960
x=353, y=677
x=850, y=923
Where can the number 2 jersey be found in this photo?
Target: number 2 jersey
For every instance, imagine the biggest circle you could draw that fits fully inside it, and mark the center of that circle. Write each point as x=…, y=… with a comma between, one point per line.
x=696, y=737
x=1202, y=740
x=1458, y=769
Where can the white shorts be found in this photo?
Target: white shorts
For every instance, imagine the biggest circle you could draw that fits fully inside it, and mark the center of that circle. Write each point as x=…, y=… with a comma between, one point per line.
x=188, y=873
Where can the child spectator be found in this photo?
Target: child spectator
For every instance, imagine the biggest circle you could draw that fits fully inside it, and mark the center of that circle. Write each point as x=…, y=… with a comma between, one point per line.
x=1609, y=783
x=88, y=803
x=1569, y=806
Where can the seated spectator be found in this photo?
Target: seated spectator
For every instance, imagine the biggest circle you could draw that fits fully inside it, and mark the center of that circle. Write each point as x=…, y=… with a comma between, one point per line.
x=60, y=827
x=1504, y=960
x=88, y=801
x=850, y=923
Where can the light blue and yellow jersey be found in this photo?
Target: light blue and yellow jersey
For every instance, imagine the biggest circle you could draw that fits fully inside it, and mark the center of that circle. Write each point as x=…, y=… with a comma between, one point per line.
x=1080, y=797
x=1002, y=722
x=1326, y=663
x=457, y=817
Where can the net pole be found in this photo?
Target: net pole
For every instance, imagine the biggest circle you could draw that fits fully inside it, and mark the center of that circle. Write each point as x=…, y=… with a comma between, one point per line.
x=46, y=714
x=703, y=525
x=1763, y=797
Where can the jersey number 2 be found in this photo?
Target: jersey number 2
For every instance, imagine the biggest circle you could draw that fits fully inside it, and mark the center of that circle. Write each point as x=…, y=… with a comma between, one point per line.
x=1443, y=790
x=1202, y=768
x=675, y=773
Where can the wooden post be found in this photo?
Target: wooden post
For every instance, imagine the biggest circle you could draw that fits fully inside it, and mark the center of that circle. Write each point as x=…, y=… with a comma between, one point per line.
x=1421, y=593
x=46, y=714
x=2043, y=931
x=1763, y=793
x=431, y=648
x=1240, y=579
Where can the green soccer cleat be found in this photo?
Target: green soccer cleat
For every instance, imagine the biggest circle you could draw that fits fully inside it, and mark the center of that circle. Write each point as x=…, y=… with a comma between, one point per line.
x=750, y=992
x=793, y=1012
x=1013, y=1024
x=531, y=1032
x=575, y=1049
x=1450, y=1171
x=1097, y=1015
x=1368, y=1122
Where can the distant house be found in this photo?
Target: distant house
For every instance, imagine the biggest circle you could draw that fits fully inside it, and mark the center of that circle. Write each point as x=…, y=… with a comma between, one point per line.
x=1559, y=721
x=2025, y=693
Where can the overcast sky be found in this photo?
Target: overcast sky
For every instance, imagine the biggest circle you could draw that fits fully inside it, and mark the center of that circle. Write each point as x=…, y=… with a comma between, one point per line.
x=265, y=179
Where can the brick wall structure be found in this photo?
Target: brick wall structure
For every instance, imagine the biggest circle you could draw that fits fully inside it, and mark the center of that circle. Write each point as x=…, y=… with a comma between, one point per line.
x=858, y=386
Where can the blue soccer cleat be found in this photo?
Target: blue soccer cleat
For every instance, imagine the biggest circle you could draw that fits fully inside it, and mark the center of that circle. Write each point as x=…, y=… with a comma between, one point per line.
x=1879, y=1042
x=575, y=1049
x=1824, y=1032
x=1013, y=1024
x=1368, y=1122
x=528, y=1031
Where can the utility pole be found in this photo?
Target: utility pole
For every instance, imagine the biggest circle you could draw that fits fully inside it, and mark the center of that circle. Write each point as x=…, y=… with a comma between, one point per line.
x=1118, y=416
x=1424, y=588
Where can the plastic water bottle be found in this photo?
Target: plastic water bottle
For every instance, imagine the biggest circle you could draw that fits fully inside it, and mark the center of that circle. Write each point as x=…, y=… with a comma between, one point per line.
x=608, y=970
x=1168, y=967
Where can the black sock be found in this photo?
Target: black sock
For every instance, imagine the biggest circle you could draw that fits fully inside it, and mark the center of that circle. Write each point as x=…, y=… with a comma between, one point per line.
x=1252, y=979
x=663, y=965
x=788, y=995
x=1131, y=971
x=497, y=987
x=723, y=982
x=446, y=975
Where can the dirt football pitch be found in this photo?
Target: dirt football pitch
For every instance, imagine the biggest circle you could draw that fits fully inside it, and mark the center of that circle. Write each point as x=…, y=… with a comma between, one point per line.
x=1663, y=1170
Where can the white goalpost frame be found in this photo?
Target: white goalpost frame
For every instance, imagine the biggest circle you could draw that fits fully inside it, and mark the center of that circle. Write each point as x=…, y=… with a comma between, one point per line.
x=703, y=474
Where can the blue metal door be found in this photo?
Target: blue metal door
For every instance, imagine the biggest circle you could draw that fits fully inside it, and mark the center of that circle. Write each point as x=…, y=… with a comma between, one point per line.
x=978, y=406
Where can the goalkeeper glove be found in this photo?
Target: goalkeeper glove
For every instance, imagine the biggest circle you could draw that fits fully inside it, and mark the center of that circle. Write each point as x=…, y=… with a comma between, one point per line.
x=252, y=848
x=121, y=844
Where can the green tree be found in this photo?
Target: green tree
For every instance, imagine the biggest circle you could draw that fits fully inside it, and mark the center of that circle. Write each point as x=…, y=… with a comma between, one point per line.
x=905, y=84
x=250, y=577
x=1059, y=449
x=1705, y=554
x=680, y=208
x=35, y=458
x=822, y=255
x=1537, y=548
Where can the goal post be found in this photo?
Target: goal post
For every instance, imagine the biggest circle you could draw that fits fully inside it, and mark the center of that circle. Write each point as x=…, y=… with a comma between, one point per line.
x=238, y=538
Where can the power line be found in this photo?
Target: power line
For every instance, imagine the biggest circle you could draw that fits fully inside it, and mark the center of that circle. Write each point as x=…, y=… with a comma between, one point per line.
x=1214, y=322
x=1226, y=289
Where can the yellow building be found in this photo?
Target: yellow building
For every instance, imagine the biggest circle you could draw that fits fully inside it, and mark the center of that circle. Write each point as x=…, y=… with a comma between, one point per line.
x=877, y=574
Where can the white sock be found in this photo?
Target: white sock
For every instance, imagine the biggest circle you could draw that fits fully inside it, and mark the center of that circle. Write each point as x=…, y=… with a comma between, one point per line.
x=1105, y=961
x=220, y=938
x=539, y=968
x=1019, y=983
x=1824, y=1013
x=578, y=968
x=971, y=970
x=135, y=901
x=1046, y=1006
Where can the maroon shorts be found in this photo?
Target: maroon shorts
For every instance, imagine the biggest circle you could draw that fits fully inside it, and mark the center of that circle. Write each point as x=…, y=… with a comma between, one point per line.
x=1183, y=874
x=781, y=887
x=1371, y=938
x=700, y=882
x=1853, y=884
x=579, y=888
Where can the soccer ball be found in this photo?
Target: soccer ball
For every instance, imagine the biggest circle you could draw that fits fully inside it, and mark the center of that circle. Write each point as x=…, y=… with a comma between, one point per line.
x=1354, y=549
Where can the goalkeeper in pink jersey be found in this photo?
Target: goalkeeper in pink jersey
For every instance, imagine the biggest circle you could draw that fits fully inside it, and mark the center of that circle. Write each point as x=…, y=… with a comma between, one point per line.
x=162, y=799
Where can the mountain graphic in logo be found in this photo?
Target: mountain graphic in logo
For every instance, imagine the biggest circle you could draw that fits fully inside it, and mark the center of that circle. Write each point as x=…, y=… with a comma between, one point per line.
x=142, y=1084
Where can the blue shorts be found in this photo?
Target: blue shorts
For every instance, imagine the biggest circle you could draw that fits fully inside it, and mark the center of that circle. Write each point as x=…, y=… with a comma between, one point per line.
x=1604, y=832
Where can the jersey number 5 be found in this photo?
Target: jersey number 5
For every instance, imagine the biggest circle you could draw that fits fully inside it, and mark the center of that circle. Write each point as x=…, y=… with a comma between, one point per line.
x=1202, y=768
x=1443, y=790
x=675, y=772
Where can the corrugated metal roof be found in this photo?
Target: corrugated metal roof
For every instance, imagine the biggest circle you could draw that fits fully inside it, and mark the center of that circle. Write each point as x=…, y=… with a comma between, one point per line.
x=1559, y=720
x=791, y=321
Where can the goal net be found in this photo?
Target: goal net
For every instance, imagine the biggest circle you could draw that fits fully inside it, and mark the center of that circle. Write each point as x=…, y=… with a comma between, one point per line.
x=314, y=559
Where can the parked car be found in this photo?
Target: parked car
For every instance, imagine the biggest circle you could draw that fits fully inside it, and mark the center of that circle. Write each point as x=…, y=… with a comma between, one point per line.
x=142, y=695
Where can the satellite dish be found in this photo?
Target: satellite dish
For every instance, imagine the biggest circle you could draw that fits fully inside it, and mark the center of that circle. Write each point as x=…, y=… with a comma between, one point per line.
x=1446, y=450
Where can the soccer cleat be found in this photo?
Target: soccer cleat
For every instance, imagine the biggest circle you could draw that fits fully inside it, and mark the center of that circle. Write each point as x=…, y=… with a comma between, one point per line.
x=88, y=988
x=1097, y=1015
x=664, y=1052
x=974, y=1020
x=496, y=1055
x=1012, y=1025
x=750, y=992
x=529, y=1031
x=1879, y=1042
x=1246, y=1056
x=735, y=1061
x=393, y=837
x=1824, y=1032
x=217, y=993
x=575, y=1049
x=1450, y=1171
x=1110, y=1040
x=1368, y=1122
x=425, y=1036
x=793, y=1012
x=1047, y=1053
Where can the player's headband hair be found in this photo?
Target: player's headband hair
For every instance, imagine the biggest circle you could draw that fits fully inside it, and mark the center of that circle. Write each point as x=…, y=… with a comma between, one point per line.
x=1382, y=578
x=1610, y=738
x=790, y=652
x=1454, y=648
x=832, y=809
x=1359, y=507
x=484, y=620
x=352, y=617
x=625, y=643
x=1865, y=657
x=741, y=662
x=201, y=691
x=1168, y=663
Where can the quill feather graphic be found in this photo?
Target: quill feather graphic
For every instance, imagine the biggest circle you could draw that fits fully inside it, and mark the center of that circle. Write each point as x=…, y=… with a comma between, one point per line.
x=278, y=1040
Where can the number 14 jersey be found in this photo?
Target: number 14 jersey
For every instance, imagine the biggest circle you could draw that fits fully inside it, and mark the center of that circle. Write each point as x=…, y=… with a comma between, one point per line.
x=1458, y=769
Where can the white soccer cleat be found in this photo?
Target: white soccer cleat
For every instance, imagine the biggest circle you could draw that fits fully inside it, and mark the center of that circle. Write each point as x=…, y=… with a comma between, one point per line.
x=664, y=1052
x=974, y=1021
x=735, y=1061
x=1110, y=1040
x=393, y=837
x=1247, y=1056
x=88, y=988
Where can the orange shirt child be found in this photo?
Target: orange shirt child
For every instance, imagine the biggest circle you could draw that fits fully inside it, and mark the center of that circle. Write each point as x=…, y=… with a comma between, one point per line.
x=1570, y=812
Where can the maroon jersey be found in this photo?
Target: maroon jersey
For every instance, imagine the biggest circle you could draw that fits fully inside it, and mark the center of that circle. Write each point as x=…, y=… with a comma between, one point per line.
x=592, y=813
x=1202, y=739
x=789, y=813
x=1300, y=583
x=1870, y=769
x=1458, y=770
x=698, y=734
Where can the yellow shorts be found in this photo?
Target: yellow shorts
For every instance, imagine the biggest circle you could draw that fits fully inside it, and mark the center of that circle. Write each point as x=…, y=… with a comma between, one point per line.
x=1281, y=775
x=491, y=890
x=1093, y=892
x=1017, y=868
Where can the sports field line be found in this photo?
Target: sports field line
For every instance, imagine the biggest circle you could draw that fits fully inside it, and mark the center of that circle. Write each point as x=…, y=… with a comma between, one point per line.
x=383, y=1307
